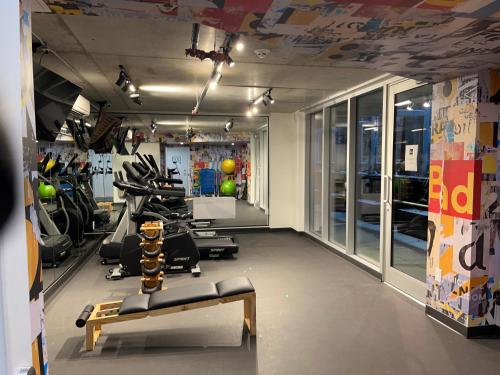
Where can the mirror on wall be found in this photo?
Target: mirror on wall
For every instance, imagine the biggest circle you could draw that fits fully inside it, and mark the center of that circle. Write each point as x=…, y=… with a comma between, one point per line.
x=220, y=161
x=67, y=212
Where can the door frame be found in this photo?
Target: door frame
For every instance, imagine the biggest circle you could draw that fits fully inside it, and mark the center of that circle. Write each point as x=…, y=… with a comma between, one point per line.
x=405, y=283
x=188, y=175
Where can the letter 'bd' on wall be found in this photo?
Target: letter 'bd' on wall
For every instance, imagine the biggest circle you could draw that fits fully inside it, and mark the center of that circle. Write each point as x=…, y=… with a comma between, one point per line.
x=455, y=188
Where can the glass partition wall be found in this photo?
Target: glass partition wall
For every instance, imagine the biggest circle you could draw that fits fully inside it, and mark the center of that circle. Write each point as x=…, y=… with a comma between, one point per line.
x=316, y=172
x=374, y=155
x=368, y=175
x=338, y=174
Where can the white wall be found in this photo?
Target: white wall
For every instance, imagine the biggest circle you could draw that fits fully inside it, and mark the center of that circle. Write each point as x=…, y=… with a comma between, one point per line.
x=286, y=173
x=15, y=332
x=152, y=148
x=253, y=170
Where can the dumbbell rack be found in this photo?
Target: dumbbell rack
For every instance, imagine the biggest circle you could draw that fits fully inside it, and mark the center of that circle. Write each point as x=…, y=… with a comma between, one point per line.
x=153, y=259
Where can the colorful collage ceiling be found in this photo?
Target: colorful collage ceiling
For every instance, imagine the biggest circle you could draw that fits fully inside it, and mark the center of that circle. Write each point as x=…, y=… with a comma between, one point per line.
x=426, y=40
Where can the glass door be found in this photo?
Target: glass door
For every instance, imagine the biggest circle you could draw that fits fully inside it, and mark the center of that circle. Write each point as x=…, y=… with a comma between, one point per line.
x=406, y=186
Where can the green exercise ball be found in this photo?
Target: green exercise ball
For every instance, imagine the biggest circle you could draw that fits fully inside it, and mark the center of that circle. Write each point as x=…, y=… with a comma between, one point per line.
x=228, y=187
x=228, y=166
x=46, y=191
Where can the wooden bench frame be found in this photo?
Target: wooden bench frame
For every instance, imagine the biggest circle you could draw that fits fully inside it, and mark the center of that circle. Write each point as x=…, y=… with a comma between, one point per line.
x=107, y=313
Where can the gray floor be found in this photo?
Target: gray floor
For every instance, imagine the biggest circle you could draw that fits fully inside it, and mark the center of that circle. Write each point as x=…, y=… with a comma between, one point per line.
x=316, y=314
x=246, y=215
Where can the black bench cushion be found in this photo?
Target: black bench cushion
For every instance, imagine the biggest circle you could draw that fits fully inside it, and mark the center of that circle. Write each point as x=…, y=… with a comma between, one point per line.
x=134, y=304
x=182, y=295
x=237, y=285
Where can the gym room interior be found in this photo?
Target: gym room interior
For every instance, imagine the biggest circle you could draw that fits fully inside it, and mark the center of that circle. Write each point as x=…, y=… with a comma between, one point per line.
x=250, y=187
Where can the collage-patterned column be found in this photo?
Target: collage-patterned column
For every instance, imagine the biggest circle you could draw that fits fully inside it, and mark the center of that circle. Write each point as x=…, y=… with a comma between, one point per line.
x=486, y=302
x=38, y=339
x=463, y=246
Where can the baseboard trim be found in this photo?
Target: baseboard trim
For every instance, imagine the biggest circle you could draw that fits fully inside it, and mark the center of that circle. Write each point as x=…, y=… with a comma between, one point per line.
x=364, y=267
x=255, y=229
x=468, y=332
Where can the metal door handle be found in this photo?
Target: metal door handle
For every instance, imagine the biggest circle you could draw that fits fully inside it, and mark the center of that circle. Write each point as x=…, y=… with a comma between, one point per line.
x=386, y=189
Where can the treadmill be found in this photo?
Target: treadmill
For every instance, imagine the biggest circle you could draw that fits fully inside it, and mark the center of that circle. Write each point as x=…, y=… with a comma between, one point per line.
x=212, y=246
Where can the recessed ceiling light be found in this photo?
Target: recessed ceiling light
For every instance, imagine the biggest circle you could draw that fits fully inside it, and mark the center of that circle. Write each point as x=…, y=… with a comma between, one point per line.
x=240, y=46
x=249, y=113
x=171, y=122
x=255, y=109
x=215, y=80
x=258, y=100
x=403, y=103
x=170, y=89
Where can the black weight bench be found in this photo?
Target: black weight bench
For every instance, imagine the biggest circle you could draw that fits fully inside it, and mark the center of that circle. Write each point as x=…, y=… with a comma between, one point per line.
x=169, y=301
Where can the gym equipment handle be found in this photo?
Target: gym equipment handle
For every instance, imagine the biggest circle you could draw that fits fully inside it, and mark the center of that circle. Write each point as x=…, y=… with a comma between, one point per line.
x=84, y=316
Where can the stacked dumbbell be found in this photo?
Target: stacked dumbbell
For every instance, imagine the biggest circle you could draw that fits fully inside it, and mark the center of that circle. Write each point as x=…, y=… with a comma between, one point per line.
x=152, y=258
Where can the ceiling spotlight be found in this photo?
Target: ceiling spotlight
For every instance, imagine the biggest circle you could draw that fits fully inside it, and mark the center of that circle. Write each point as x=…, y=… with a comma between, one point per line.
x=249, y=112
x=230, y=62
x=153, y=127
x=122, y=77
x=232, y=143
x=409, y=107
x=240, y=46
x=268, y=96
x=229, y=125
x=126, y=85
x=264, y=98
x=427, y=104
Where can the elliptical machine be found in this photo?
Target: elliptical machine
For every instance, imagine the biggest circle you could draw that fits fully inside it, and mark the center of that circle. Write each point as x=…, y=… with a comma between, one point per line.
x=181, y=254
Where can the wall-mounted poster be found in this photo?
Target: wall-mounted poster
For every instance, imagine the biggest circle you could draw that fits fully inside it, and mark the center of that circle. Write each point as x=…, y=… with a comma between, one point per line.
x=411, y=156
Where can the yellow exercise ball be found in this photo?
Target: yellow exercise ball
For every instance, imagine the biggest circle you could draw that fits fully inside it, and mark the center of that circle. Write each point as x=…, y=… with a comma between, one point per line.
x=228, y=166
x=50, y=165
